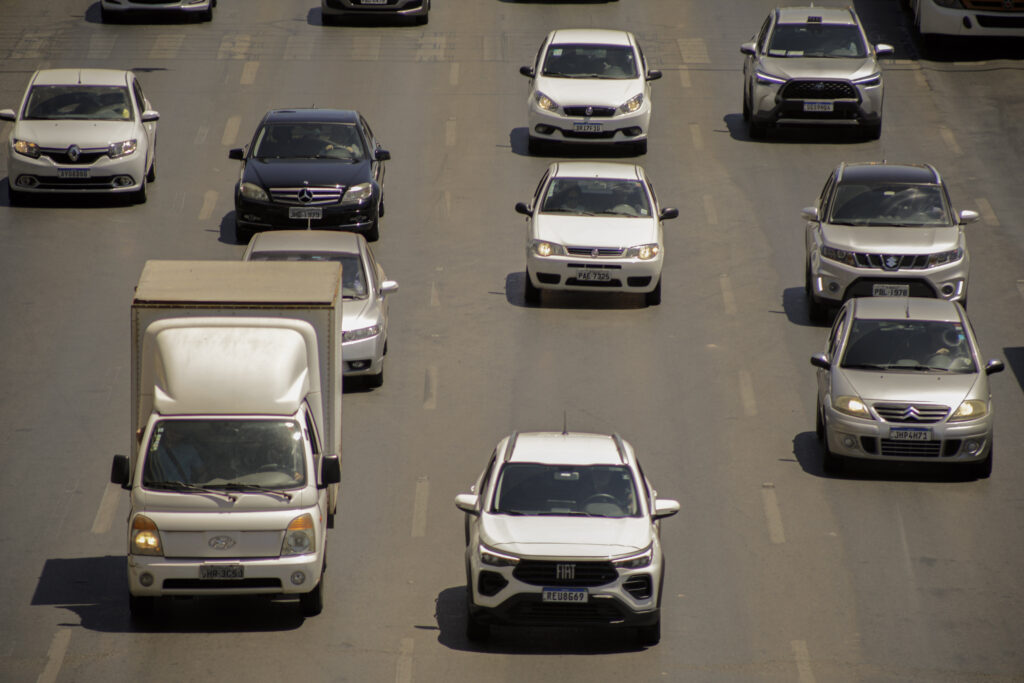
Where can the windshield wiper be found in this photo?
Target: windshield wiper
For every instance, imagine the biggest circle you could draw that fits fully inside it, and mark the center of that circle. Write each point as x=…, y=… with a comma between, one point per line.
x=188, y=488
x=255, y=488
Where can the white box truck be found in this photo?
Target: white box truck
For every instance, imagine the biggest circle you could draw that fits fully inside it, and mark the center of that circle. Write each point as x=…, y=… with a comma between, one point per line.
x=236, y=430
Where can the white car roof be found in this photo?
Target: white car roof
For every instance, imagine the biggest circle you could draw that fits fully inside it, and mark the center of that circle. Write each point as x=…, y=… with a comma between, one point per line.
x=906, y=308
x=573, y=448
x=305, y=240
x=596, y=169
x=829, y=15
x=599, y=36
x=80, y=77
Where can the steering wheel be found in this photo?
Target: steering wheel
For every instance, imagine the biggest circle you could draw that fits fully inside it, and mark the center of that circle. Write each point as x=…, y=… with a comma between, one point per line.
x=602, y=498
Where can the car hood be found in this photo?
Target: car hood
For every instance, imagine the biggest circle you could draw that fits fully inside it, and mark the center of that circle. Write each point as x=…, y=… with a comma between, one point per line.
x=891, y=239
x=582, y=91
x=357, y=313
x=550, y=536
x=61, y=134
x=932, y=387
x=295, y=172
x=819, y=67
x=595, y=231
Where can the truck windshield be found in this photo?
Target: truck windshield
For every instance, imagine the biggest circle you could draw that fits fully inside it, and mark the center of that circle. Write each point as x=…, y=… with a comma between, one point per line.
x=225, y=453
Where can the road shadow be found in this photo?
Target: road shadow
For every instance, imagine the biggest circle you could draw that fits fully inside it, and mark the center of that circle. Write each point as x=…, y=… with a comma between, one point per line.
x=156, y=17
x=96, y=589
x=1015, y=360
x=519, y=140
x=797, y=135
x=544, y=640
x=794, y=303
x=227, y=229
x=316, y=18
x=514, y=294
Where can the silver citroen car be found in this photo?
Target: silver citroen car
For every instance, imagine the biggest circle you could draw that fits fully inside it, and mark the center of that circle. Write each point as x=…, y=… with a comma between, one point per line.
x=901, y=379
x=881, y=229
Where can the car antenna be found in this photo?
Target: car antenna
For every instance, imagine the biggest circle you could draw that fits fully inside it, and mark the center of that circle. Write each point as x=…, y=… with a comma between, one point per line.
x=907, y=310
x=565, y=424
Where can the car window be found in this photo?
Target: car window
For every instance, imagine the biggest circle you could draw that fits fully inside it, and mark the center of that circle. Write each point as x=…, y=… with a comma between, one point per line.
x=913, y=345
x=835, y=335
x=540, y=187
x=763, y=33
x=817, y=40
x=590, y=61
x=78, y=102
x=823, y=198
x=899, y=204
x=354, y=281
x=596, y=196
x=314, y=140
x=588, y=490
x=140, y=99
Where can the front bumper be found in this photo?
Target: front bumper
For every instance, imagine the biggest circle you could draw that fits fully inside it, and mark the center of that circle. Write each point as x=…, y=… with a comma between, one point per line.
x=257, y=215
x=586, y=274
x=862, y=106
x=962, y=22
x=833, y=282
x=363, y=356
x=263, y=576
x=157, y=6
x=559, y=127
x=43, y=175
x=407, y=8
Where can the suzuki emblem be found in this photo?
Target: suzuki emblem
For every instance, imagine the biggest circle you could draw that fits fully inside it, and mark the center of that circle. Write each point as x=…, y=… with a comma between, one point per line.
x=221, y=542
x=891, y=262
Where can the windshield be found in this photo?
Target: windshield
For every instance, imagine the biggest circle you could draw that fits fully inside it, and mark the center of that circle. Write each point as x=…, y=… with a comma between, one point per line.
x=596, y=196
x=592, y=491
x=79, y=102
x=908, y=345
x=887, y=204
x=817, y=40
x=590, y=61
x=309, y=141
x=353, y=277
x=225, y=454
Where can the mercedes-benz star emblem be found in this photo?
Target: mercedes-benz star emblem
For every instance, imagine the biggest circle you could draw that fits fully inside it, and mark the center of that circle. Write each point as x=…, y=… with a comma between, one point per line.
x=305, y=195
x=221, y=542
x=74, y=152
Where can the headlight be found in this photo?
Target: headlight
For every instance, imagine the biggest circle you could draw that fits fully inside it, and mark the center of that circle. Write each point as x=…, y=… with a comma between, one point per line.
x=945, y=257
x=869, y=81
x=361, y=333
x=29, y=149
x=767, y=79
x=542, y=248
x=645, y=252
x=357, y=193
x=253, y=191
x=633, y=103
x=493, y=558
x=122, y=149
x=545, y=102
x=145, y=539
x=969, y=410
x=298, y=537
x=840, y=255
x=642, y=559
x=851, y=405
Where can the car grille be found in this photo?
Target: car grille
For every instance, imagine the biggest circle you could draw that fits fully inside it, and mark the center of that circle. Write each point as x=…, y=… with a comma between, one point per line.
x=543, y=573
x=589, y=612
x=319, y=195
x=819, y=90
x=87, y=156
x=911, y=412
x=899, y=261
x=603, y=135
x=596, y=252
x=603, y=112
x=911, y=449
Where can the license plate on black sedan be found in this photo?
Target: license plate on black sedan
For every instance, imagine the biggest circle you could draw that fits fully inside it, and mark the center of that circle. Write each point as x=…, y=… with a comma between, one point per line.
x=564, y=595
x=306, y=212
x=221, y=571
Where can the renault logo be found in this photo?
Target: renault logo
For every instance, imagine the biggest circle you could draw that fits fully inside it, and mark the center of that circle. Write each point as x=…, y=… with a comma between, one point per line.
x=305, y=195
x=74, y=151
x=221, y=542
x=565, y=571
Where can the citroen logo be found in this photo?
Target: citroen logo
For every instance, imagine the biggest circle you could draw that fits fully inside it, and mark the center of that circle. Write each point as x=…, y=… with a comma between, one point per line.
x=305, y=195
x=74, y=151
x=589, y=111
x=891, y=262
x=221, y=542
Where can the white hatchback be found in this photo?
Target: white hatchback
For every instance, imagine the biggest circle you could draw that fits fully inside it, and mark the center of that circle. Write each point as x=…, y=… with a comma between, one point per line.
x=81, y=130
x=589, y=86
x=594, y=226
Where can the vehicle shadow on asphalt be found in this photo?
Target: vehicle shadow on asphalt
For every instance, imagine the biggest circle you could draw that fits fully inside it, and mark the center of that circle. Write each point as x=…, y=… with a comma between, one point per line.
x=548, y=640
x=519, y=141
x=96, y=589
x=514, y=294
x=157, y=17
x=794, y=304
x=1015, y=360
x=795, y=135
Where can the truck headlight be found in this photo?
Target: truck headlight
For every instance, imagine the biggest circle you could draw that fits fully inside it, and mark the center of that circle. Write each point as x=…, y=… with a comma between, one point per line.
x=145, y=539
x=357, y=193
x=252, y=191
x=26, y=148
x=493, y=558
x=969, y=410
x=298, y=537
x=851, y=405
x=122, y=149
x=361, y=333
x=641, y=559
x=542, y=248
x=633, y=103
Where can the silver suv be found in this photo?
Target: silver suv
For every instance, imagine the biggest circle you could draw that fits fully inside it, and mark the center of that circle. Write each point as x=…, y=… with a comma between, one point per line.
x=812, y=66
x=881, y=229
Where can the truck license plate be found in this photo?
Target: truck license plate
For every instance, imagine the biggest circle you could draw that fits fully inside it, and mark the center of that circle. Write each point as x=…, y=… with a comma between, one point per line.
x=564, y=595
x=221, y=571
x=306, y=212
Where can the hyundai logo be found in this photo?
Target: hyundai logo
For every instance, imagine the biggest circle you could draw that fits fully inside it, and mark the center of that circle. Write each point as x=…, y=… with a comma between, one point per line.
x=305, y=195
x=221, y=542
x=74, y=151
x=565, y=571
x=891, y=262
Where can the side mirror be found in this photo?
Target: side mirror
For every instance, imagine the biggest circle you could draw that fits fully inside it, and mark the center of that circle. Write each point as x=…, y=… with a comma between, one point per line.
x=669, y=213
x=467, y=502
x=883, y=49
x=968, y=216
x=522, y=208
x=527, y=71
x=994, y=366
x=653, y=74
x=330, y=470
x=809, y=213
x=7, y=115
x=381, y=154
x=237, y=153
x=820, y=360
x=388, y=286
x=748, y=48
x=150, y=115
x=663, y=507
x=120, y=472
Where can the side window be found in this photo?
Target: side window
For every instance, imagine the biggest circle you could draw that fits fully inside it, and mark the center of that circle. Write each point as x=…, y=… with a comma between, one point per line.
x=314, y=438
x=537, y=194
x=835, y=335
x=762, y=35
x=140, y=100
x=825, y=198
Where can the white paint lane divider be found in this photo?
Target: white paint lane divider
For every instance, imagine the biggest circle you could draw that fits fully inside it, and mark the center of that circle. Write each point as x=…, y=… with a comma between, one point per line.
x=772, y=513
x=710, y=212
x=209, y=204
x=55, y=656
x=104, y=518
x=449, y=132
x=166, y=46
x=695, y=136
x=803, y=661
x=950, y=140
x=403, y=670
x=430, y=388
x=231, y=131
x=747, y=394
x=453, y=75
x=249, y=73
x=728, y=298
x=987, y=214
x=419, y=507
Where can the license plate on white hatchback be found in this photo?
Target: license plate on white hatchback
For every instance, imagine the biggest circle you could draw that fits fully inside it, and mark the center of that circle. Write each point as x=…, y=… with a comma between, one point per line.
x=587, y=127
x=72, y=173
x=306, y=212
x=221, y=571
x=564, y=595
x=593, y=275
x=910, y=434
x=818, y=106
x=890, y=290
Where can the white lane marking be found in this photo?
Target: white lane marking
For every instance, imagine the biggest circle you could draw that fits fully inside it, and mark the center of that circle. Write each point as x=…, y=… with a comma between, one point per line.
x=447, y=197
x=430, y=388
x=435, y=298
x=166, y=46
x=1020, y=287
x=950, y=140
x=693, y=50
x=209, y=204
x=234, y=46
x=201, y=133
x=922, y=80
x=431, y=49
x=449, y=133
x=698, y=141
x=108, y=508
x=298, y=48
x=100, y=46
x=403, y=670
x=32, y=45
x=710, y=213
x=249, y=73
x=772, y=513
x=728, y=300
x=747, y=394
x=419, y=507
x=987, y=214
x=55, y=655
x=684, y=77
x=365, y=48
x=803, y=661
x=493, y=48
x=231, y=131
x=453, y=74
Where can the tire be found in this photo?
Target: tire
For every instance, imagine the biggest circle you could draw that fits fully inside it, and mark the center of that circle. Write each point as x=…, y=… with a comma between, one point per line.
x=819, y=425
x=373, y=234
x=817, y=312
x=242, y=235
x=312, y=603
x=746, y=108
x=207, y=15
x=422, y=20
x=531, y=294
x=983, y=469
x=15, y=198
x=108, y=17
x=873, y=131
x=831, y=463
x=653, y=297
x=536, y=146
x=476, y=630
x=650, y=635
x=141, y=607
x=151, y=174
x=757, y=131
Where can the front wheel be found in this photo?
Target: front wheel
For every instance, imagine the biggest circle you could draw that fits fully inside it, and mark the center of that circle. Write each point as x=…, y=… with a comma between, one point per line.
x=373, y=234
x=375, y=381
x=242, y=234
x=141, y=606
x=983, y=469
x=756, y=129
x=536, y=146
x=531, y=293
x=312, y=603
x=139, y=196
x=650, y=635
x=873, y=131
x=653, y=297
x=476, y=630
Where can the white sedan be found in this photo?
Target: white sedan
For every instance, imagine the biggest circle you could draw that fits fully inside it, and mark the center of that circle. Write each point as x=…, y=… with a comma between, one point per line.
x=594, y=226
x=364, y=290
x=81, y=130
x=589, y=86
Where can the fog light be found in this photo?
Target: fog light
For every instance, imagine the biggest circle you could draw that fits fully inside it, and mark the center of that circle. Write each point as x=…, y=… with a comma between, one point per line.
x=849, y=441
x=298, y=578
x=947, y=290
x=833, y=287
x=632, y=131
x=27, y=181
x=146, y=579
x=123, y=181
x=544, y=129
x=972, y=446
x=359, y=364
x=252, y=218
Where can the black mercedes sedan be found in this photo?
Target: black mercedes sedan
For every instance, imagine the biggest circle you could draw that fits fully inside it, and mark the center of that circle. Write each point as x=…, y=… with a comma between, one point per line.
x=310, y=168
